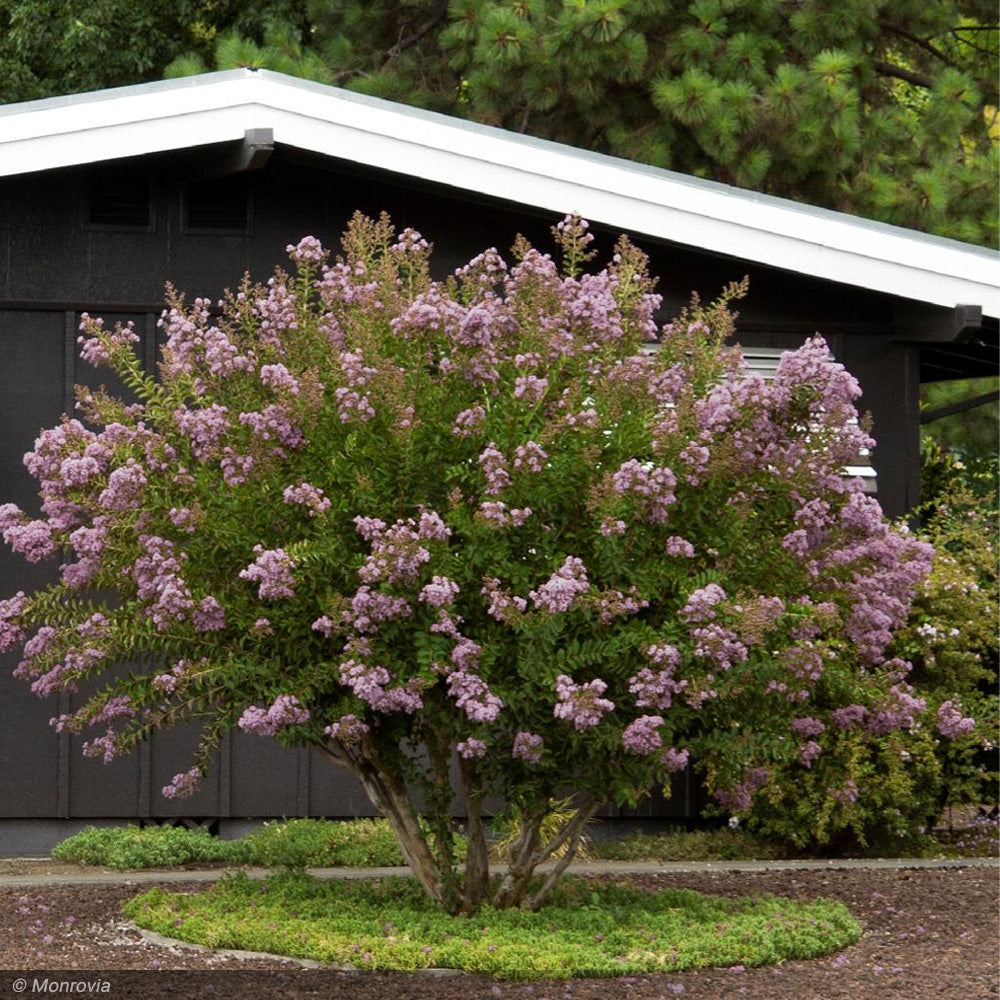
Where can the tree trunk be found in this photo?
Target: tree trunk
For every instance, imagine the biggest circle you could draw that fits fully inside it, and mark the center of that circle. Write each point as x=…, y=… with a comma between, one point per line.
x=389, y=795
x=526, y=854
x=477, y=859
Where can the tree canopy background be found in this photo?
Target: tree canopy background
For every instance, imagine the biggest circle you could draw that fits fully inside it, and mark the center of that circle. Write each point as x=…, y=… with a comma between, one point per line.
x=880, y=108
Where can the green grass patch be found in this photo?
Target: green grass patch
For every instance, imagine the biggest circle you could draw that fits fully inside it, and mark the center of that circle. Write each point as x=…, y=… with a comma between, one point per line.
x=131, y=847
x=297, y=843
x=585, y=930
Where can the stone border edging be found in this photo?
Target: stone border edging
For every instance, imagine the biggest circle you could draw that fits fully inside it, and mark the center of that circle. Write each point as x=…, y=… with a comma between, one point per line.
x=142, y=877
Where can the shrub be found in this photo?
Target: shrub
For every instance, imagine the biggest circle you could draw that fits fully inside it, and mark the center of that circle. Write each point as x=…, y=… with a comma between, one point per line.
x=325, y=844
x=464, y=537
x=901, y=782
x=133, y=847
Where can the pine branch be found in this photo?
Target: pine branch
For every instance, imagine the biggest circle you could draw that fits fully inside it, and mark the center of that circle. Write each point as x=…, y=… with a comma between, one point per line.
x=887, y=69
x=402, y=44
x=922, y=43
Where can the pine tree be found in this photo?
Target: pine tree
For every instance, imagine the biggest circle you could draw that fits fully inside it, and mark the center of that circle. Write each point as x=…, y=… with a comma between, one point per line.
x=882, y=108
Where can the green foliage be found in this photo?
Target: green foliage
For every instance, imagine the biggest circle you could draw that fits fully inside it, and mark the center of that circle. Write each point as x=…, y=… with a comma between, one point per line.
x=56, y=47
x=887, y=112
x=306, y=843
x=133, y=847
x=300, y=843
x=586, y=930
x=972, y=436
x=690, y=845
x=905, y=781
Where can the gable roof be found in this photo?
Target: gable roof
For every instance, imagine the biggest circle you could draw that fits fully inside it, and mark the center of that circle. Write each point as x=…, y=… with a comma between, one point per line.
x=220, y=107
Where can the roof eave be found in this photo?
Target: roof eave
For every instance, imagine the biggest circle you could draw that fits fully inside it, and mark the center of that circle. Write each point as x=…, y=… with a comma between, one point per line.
x=220, y=107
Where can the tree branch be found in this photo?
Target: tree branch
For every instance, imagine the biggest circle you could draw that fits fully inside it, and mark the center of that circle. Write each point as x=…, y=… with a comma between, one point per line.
x=922, y=43
x=887, y=69
x=402, y=44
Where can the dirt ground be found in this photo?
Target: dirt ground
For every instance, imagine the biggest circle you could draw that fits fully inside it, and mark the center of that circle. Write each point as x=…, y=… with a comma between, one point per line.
x=929, y=935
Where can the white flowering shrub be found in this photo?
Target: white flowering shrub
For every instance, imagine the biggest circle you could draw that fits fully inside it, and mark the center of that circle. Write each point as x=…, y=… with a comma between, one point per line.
x=463, y=536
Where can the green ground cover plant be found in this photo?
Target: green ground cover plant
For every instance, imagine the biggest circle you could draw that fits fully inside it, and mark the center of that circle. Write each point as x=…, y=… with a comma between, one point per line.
x=130, y=847
x=312, y=843
x=583, y=930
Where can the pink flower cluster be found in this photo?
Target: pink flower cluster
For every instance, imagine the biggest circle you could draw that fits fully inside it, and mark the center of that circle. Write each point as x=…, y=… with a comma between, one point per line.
x=701, y=604
x=398, y=551
x=581, y=704
x=467, y=422
x=348, y=729
x=471, y=748
x=612, y=604
x=184, y=784
x=654, y=485
x=32, y=539
x=721, y=645
x=279, y=378
x=898, y=711
x=193, y=345
x=205, y=428
x=125, y=488
x=307, y=251
x=370, y=608
x=157, y=575
x=493, y=464
x=97, y=349
x=657, y=690
x=561, y=589
x=370, y=684
x=528, y=747
x=284, y=711
x=473, y=696
x=951, y=723
x=674, y=760
x=642, y=736
x=439, y=593
x=274, y=423
x=496, y=514
x=272, y=570
x=311, y=497
x=530, y=457
x=739, y=797
x=502, y=605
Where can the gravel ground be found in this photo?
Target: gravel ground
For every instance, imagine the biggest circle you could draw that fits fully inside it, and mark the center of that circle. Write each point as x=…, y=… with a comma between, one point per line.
x=930, y=934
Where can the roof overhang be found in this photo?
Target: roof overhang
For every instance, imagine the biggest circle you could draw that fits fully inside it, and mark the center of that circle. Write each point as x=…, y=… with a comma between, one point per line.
x=222, y=107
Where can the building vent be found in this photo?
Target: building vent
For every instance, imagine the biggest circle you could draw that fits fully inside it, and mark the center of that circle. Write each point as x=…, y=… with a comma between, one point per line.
x=218, y=205
x=120, y=201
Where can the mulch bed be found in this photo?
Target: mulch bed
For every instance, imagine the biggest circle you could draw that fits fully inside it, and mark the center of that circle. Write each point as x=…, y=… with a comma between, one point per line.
x=929, y=935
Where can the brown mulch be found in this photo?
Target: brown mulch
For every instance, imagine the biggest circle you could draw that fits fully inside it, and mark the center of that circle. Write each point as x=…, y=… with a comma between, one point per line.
x=929, y=935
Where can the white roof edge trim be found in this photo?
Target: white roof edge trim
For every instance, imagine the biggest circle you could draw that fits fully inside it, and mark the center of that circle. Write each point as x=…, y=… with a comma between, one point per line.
x=217, y=107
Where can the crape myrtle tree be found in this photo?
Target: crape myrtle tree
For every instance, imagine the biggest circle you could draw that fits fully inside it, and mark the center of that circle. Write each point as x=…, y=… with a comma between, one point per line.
x=465, y=537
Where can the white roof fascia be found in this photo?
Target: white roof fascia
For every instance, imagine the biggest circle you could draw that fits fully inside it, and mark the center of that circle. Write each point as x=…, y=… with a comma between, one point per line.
x=220, y=107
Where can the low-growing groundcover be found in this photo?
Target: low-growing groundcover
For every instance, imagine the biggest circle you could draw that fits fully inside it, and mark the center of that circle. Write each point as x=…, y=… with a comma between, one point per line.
x=584, y=930
x=297, y=843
